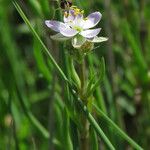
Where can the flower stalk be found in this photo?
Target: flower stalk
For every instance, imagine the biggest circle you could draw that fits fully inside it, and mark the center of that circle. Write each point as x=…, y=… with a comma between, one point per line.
x=82, y=77
x=84, y=135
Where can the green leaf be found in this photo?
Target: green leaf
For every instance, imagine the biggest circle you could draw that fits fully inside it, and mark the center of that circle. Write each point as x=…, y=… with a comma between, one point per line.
x=93, y=139
x=117, y=129
x=136, y=49
x=41, y=61
x=91, y=82
x=99, y=80
x=36, y=7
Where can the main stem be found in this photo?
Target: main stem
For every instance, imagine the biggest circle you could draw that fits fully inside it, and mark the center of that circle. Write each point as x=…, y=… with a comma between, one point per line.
x=84, y=135
x=82, y=77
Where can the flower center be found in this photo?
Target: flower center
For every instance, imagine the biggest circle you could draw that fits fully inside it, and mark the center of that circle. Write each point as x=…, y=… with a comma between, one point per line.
x=78, y=28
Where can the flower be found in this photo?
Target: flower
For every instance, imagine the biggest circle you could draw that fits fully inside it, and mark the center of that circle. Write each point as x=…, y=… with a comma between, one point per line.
x=77, y=27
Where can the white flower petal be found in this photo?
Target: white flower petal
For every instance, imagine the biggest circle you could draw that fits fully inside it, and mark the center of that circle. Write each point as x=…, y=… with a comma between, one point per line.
x=92, y=20
x=90, y=33
x=70, y=17
x=78, y=41
x=59, y=37
x=68, y=32
x=55, y=25
x=98, y=39
x=78, y=21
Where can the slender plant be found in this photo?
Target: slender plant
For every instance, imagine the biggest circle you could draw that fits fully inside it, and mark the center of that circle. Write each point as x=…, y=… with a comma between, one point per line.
x=79, y=39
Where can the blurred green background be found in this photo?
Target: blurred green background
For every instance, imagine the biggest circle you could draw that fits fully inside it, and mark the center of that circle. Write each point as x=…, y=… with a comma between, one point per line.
x=32, y=93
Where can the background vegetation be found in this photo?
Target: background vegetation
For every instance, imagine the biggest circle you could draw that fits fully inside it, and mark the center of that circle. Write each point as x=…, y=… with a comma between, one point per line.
x=32, y=94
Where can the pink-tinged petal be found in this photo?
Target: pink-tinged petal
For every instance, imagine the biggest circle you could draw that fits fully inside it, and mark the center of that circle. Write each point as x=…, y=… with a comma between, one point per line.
x=70, y=17
x=92, y=20
x=55, y=25
x=68, y=32
x=90, y=33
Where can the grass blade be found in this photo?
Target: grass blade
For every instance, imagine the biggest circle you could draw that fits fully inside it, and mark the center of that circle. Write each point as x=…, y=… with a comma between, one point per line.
x=120, y=132
x=39, y=39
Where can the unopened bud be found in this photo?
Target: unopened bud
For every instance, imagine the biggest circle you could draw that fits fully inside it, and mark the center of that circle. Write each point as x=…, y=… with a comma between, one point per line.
x=87, y=47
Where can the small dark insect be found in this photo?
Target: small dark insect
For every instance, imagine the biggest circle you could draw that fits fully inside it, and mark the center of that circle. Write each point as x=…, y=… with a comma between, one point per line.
x=65, y=4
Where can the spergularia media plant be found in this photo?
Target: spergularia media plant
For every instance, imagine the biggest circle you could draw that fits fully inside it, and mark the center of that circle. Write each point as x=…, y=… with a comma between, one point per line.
x=80, y=33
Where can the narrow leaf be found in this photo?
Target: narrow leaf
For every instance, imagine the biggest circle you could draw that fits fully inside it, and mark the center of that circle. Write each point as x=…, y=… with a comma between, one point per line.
x=118, y=130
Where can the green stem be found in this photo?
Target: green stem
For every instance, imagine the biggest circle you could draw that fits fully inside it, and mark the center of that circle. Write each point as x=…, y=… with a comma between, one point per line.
x=93, y=123
x=84, y=136
x=82, y=76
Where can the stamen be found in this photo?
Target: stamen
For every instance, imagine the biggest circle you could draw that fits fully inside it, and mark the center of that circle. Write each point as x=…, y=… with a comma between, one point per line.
x=66, y=14
x=77, y=11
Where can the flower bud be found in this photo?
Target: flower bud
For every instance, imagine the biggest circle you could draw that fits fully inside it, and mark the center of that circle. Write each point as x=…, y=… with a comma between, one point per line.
x=87, y=47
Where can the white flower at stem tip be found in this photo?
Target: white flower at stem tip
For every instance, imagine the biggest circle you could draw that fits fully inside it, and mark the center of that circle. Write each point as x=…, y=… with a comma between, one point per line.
x=77, y=28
